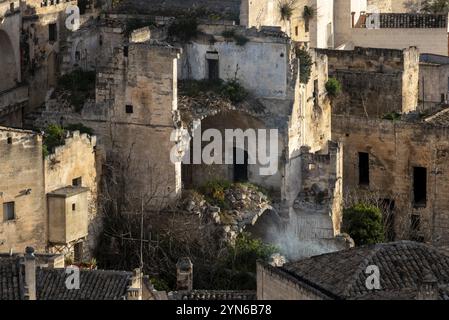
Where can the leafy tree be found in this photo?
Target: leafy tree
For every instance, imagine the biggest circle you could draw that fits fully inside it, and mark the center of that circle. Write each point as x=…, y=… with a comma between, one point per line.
x=364, y=224
x=435, y=6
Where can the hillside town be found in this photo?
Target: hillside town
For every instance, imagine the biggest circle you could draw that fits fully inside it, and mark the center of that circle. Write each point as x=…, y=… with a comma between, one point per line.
x=224, y=150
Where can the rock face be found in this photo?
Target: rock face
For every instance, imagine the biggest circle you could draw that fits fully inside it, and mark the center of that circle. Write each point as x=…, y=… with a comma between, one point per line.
x=242, y=206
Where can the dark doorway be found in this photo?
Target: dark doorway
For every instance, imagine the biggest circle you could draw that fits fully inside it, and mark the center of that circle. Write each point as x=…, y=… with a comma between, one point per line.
x=240, y=169
x=363, y=168
x=213, y=69
x=419, y=187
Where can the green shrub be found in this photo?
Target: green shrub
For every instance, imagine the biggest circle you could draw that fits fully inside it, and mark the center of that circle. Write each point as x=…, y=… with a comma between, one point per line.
x=184, y=29
x=240, y=40
x=234, y=91
x=364, y=224
x=80, y=85
x=333, y=87
x=305, y=65
x=54, y=136
x=214, y=191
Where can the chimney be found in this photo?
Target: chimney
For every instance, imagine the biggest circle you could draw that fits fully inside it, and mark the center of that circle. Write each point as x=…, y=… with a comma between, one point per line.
x=30, y=273
x=135, y=290
x=184, y=275
x=428, y=289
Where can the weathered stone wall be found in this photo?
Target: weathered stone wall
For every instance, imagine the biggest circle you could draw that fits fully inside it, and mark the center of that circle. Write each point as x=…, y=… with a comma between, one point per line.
x=268, y=80
x=394, y=149
x=434, y=82
x=375, y=81
x=274, y=284
x=77, y=159
x=22, y=182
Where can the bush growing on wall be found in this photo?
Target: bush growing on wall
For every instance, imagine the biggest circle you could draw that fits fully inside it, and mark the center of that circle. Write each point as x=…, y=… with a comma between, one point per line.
x=364, y=224
x=305, y=65
x=333, y=87
x=184, y=29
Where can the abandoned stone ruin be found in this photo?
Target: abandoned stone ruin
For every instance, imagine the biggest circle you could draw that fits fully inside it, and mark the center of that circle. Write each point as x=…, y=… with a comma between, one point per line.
x=223, y=150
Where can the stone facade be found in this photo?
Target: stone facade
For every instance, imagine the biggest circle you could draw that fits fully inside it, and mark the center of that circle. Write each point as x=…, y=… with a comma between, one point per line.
x=375, y=82
x=434, y=82
x=27, y=180
x=395, y=150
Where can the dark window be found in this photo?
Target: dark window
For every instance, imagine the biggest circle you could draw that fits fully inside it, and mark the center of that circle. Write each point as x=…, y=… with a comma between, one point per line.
x=363, y=168
x=78, y=252
x=11, y=6
x=419, y=186
x=73, y=206
x=296, y=30
x=77, y=182
x=213, y=68
x=443, y=98
x=129, y=108
x=9, y=211
x=52, y=32
x=9, y=140
x=125, y=51
x=101, y=40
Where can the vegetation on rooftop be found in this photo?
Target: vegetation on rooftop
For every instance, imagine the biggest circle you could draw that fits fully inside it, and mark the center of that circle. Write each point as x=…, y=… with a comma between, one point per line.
x=184, y=29
x=239, y=39
x=231, y=89
x=54, y=135
x=286, y=9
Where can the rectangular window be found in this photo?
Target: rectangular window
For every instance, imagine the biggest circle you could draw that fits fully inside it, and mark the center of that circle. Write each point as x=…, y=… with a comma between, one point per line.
x=73, y=207
x=364, y=168
x=296, y=31
x=419, y=187
x=9, y=140
x=52, y=32
x=77, y=182
x=129, y=108
x=9, y=212
x=125, y=51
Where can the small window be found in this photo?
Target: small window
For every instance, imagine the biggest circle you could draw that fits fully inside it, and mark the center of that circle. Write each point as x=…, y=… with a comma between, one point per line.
x=296, y=31
x=315, y=92
x=9, y=211
x=9, y=140
x=419, y=187
x=125, y=51
x=52, y=32
x=100, y=40
x=73, y=207
x=363, y=168
x=129, y=108
x=11, y=6
x=77, y=182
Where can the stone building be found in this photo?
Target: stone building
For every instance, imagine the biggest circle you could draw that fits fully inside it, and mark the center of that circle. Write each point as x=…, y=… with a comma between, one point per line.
x=375, y=82
x=403, y=164
x=434, y=82
x=48, y=202
x=345, y=275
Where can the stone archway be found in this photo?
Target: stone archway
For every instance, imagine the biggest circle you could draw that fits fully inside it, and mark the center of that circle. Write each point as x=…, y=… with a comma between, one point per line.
x=8, y=66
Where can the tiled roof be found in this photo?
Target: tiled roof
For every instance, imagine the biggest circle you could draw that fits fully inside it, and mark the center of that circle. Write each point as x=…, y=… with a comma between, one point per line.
x=212, y=295
x=402, y=266
x=11, y=280
x=440, y=118
x=94, y=285
x=50, y=283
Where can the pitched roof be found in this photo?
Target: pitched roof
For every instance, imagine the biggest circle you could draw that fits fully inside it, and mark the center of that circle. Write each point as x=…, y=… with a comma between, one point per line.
x=402, y=266
x=11, y=280
x=50, y=283
x=94, y=285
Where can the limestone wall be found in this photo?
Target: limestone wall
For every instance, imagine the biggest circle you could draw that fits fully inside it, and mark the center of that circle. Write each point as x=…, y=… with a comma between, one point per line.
x=394, y=148
x=434, y=82
x=375, y=81
x=22, y=182
x=77, y=159
x=274, y=284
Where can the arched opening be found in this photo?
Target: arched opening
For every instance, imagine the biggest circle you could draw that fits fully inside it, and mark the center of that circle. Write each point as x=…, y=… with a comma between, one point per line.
x=8, y=66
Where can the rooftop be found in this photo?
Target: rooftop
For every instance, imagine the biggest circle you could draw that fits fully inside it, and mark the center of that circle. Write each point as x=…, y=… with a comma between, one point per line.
x=403, y=266
x=68, y=191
